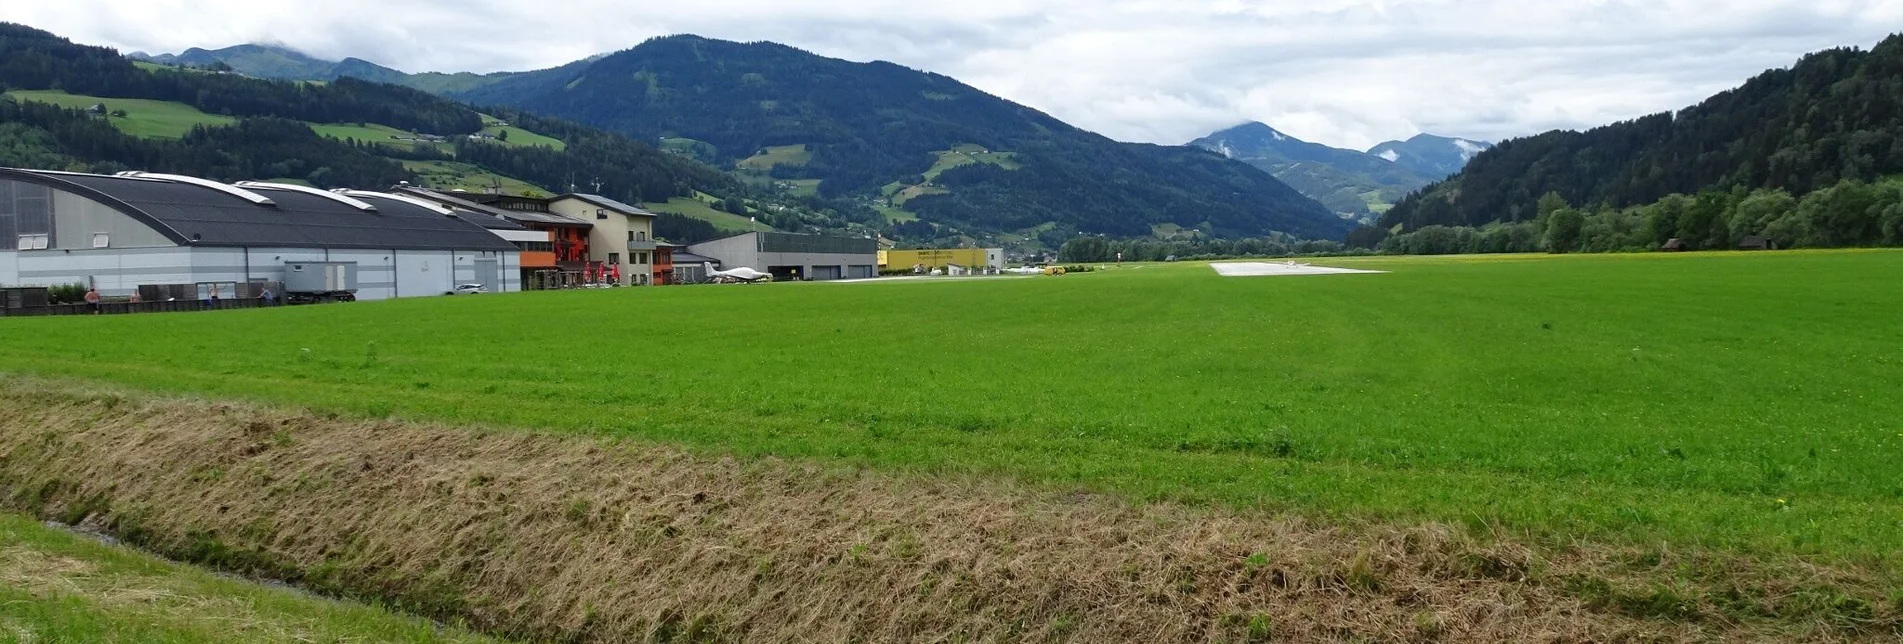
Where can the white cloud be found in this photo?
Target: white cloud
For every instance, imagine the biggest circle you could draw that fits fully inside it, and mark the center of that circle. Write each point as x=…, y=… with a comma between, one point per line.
x=1344, y=72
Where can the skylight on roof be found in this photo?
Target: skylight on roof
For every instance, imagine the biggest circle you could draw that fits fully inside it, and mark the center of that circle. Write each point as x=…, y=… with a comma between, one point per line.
x=291, y=187
x=232, y=190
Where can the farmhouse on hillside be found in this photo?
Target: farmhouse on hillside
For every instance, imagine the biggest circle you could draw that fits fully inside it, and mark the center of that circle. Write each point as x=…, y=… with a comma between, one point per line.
x=116, y=233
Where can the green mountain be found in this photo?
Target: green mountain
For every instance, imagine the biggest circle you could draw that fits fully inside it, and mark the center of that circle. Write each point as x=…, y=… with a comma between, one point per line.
x=75, y=107
x=1836, y=115
x=276, y=62
x=1352, y=183
x=914, y=144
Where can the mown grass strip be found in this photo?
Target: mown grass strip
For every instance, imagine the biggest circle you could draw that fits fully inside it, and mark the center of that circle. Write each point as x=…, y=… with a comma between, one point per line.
x=56, y=586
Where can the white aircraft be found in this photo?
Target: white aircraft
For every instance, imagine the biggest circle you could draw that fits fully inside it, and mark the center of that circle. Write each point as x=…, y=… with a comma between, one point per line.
x=740, y=275
x=1025, y=270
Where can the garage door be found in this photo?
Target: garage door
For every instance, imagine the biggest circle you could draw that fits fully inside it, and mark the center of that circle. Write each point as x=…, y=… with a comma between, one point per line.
x=824, y=273
x=860, y=272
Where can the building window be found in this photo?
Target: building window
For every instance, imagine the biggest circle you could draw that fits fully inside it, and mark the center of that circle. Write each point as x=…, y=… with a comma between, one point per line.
x=601, y=214
x=101, y=240
x=614, y=258
x=644, y=259
x=26, y=210
x=643, y=235
x=630, y=235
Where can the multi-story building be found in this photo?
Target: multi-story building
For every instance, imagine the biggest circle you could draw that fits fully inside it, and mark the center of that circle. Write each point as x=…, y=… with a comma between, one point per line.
x=621, y=238
x=569, y=239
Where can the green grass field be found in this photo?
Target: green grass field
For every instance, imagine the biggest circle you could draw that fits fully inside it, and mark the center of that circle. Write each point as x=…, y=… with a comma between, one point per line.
x=692, y=207
x=968, y=154
x=519, y=136
x=1745, y=402
x=56, y=586
x=776, y=155
x=455, y=175
x=914, y=192
x=896, y=214
x=151, y=119
x=371, y=133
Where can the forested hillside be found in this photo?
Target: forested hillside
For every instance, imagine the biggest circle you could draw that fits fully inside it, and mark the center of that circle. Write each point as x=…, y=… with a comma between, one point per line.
x=273, y=129
x=886, y=133
x=1836, y=115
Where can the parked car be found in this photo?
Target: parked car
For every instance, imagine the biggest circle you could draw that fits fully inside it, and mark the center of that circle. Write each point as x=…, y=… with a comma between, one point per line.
x=468, y=289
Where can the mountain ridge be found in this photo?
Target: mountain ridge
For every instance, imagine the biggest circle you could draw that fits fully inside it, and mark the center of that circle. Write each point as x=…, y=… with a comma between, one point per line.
x=882, y=131
x=1350, y=182
x=899, y=156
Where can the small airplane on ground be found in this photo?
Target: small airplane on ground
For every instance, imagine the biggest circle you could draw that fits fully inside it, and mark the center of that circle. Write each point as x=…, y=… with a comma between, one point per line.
x=739, y=275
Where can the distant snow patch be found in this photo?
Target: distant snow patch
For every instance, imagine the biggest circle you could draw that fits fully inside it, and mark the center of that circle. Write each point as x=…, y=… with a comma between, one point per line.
x=1275, y=269
x=1278, y=135
x=1390, y=155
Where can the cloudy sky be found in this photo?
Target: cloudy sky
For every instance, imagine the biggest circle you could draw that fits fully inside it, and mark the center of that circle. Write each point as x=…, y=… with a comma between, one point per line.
x=1350, y=73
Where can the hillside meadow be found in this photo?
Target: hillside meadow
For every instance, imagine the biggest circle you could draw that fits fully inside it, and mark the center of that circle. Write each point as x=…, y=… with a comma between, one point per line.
x=1739, y=402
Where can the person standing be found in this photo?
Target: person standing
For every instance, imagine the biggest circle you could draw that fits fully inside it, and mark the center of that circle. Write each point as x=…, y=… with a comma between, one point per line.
x=92, y=299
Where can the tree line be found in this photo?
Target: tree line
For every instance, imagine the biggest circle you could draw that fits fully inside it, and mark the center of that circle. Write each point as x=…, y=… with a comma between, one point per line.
x=1098, y=249
x=40, y=135
x=1849, y=214
x=31, y=59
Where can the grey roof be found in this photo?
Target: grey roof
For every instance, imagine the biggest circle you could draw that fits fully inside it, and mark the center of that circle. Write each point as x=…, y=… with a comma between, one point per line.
x=190, y=214
x=518, y=216
x=488, y=217
x=684, y=257
x=610, y=204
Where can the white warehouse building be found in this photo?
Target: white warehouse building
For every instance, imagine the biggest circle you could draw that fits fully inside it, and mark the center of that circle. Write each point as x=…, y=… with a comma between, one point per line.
x=118, y=232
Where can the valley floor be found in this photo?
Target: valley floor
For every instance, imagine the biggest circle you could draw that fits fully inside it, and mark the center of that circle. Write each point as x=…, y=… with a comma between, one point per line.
x=1674, y=447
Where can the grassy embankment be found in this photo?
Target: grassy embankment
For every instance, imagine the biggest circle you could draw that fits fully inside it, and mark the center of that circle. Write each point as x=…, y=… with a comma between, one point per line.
x=56, y=586
x=1727, y=401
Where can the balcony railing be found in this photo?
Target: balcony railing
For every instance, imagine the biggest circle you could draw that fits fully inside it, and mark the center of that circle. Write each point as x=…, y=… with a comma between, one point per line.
x=640, y=245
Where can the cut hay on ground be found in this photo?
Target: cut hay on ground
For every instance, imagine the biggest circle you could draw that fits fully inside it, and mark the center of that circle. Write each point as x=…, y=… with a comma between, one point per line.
x=585, y=538
x=1275, y=269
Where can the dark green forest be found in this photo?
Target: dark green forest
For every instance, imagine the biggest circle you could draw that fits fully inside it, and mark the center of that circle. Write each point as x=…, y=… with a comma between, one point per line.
x=37, y=135
x=1849, y=214
x=1836, y=115
x=868, y=124
x=270, y=141
x=34, y=59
